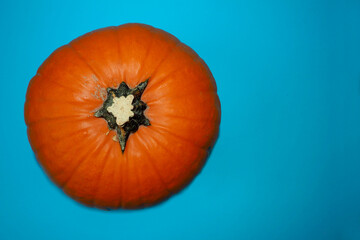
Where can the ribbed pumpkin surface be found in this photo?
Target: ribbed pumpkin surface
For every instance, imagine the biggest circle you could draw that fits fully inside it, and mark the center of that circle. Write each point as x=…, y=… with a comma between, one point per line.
x=79, y=152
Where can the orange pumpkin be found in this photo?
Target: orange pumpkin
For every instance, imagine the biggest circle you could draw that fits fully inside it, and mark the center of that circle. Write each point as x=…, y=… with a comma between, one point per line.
x=122, y=117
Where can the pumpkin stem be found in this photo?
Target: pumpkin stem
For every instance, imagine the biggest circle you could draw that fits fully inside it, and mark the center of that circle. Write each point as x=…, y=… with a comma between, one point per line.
x=124, y=111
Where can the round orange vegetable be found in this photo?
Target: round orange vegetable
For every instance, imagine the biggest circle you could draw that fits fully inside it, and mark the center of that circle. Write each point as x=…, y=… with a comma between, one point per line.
x=122, y=117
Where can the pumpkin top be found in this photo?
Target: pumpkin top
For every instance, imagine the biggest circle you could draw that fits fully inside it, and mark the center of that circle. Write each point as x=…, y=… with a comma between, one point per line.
x=124, y=111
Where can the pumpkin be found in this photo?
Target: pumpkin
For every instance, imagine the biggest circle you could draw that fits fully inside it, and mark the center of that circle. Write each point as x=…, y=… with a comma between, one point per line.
x=122, y=117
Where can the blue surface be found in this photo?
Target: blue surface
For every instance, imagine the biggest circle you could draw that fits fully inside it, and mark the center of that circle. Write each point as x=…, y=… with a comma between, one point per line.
x=287, y=163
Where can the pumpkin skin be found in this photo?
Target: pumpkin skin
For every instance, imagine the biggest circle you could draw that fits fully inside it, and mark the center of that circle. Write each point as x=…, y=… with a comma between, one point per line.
x=78, y=151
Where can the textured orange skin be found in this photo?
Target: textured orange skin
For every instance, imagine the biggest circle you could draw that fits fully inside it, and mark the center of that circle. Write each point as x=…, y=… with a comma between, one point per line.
x=76, y=149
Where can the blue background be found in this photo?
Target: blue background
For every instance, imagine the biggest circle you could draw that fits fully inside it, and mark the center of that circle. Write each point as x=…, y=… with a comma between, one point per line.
x=287, y=163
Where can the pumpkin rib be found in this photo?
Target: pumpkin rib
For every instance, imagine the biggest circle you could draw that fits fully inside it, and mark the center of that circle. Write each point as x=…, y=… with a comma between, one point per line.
x=146, y=56
x=136, y=175
x=206, y=152
x=60, y=84
x=185, y=118
x=115, y=31
x=155, y=169
x=163, y=60
x=84, y=114
x=139, y=182
x=84, y=144
x=178, y=137
x=118, y=172
x=65, y=87
x=121, y=190
x=62, y=102
x=139, y=179
x=160, y=144
x=122, y=74
x=68, y=136
x=78, y=54
x=156, y=84
x=167, y=55
x=66, y=117
x=123, y=178
x=209, y=91
x=179, y=161
x=106, y=161
x=161, y=80
x=157, y=173
x=174, y=71
x=87, y=155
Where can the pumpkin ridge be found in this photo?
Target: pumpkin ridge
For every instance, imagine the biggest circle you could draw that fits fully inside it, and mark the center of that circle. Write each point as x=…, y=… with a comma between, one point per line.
x=120, y=164
x=68, y=136
x=181, y=117
x=206, y=151
x=106, y=161
x=179, y=161
x=155, y=169
x=145, y=58
x=123, y=178
x=87, y=155
x=178, y=137
x=168, y=54
x=61, y=85
x=159, y=81
x=120, y=73
x=77, y=117
x=139, y=183
x=208, y=91
x=78, y=54
x=62, y=101
x=78, y=147
x=126, y=156
x=118, y=167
